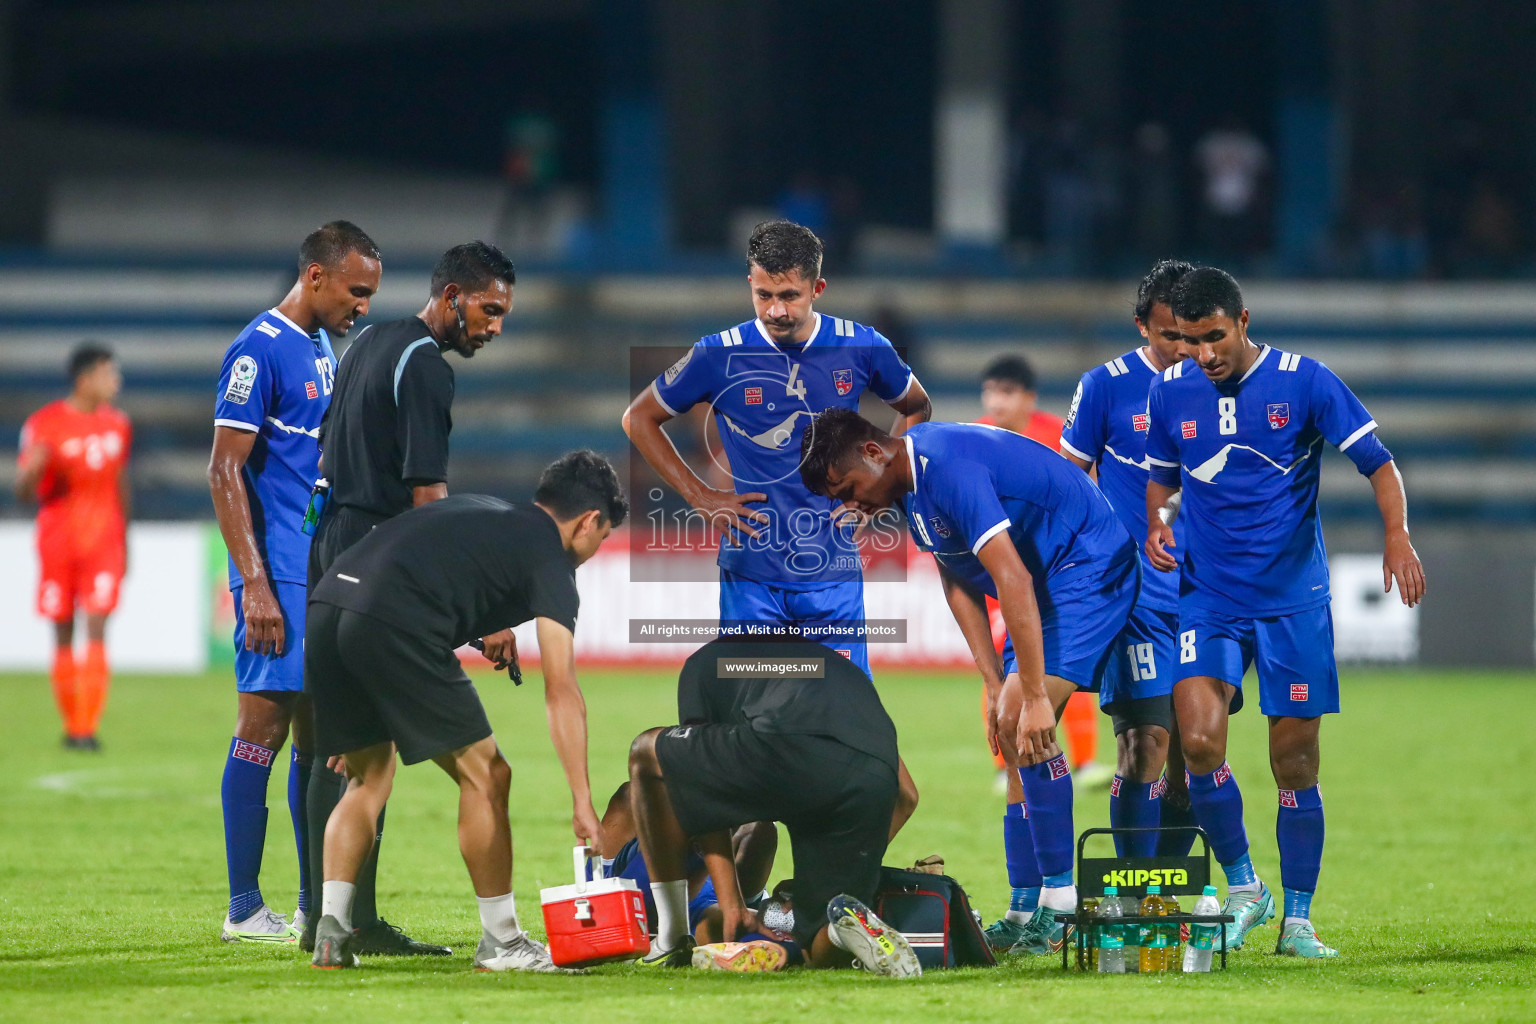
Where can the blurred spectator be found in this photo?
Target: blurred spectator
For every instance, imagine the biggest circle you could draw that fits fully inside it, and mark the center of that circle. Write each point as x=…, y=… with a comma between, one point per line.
x=1490, y=238
x=1069, y=199
x=805, y=202
x=1233, y=163
x=1154, y=193
x=530, y=166
x=1393, y=240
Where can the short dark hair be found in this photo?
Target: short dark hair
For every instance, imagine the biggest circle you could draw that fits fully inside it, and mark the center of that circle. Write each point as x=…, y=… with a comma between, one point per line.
x=578, y=482
x=831, y=439
x=1203, y=291
x=472, y=266
x=779, y=246
x=1157, y=286
x=1014, y=369
x=86, y=357
x=331, y=243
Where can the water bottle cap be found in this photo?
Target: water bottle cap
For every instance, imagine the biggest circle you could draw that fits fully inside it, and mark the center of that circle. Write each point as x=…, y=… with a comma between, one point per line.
x=1111, y=890
x=1210, y=890
x=1154, y=890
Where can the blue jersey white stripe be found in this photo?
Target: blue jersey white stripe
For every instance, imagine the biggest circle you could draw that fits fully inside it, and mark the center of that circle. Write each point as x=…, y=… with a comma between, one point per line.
x=1247, y=456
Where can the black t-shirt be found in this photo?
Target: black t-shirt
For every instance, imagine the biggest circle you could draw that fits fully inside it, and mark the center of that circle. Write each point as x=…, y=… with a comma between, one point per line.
x=387, y=426
x=842, y=705
x=457, y=569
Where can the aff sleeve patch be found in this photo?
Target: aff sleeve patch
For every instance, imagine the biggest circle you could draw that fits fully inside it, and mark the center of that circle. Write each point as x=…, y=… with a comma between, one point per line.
x=677, y=367
x=242, y=380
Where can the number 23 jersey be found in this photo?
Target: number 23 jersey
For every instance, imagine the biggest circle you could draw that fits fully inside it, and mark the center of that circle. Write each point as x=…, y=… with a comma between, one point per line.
x=1247, y=455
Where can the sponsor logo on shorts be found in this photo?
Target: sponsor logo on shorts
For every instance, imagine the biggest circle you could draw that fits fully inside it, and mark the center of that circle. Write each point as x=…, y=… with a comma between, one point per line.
x=1223, y=774
x=310, y=391
x=1140, y=421
x=1299, y=691
x=1059, y=768
x=247, y=751
x=754, y=396
x=1189, y=429
x=845, y=652
x=1287, y=798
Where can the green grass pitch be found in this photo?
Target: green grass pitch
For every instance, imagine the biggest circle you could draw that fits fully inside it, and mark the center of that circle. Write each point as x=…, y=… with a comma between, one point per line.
x=113, y=876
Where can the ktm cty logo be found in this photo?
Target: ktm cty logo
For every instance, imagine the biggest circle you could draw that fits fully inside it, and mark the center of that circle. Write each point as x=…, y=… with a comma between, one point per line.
x=1156, y=876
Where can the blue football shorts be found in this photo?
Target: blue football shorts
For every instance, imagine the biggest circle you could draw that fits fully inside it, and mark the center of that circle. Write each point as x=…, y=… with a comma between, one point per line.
x=1081, y=620
x=836, y=605
x=255, y=673
x=1291, y=654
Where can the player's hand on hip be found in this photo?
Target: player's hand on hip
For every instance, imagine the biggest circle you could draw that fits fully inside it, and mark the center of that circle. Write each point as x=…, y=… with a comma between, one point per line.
x=1401, y=563
x=1159, y=540
x=263, y=618
x=587, y=827
x=728, y=512
x=1035, y=737
x=500, y=648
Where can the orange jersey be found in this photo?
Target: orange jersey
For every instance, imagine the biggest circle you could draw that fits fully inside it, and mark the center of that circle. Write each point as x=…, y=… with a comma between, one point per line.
x=1042, y=427
x=80, y=505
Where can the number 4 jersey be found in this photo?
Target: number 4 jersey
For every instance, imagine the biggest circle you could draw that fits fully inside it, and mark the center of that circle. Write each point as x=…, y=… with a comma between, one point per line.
x=763, y=396
x=1246, y=454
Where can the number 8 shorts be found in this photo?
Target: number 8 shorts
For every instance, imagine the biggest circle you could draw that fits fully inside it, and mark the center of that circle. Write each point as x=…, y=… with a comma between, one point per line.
x=1292, y=655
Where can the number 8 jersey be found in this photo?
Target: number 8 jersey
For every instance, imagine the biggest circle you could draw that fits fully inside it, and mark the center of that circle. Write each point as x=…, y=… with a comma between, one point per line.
x=763, y=396
x=1247, y=455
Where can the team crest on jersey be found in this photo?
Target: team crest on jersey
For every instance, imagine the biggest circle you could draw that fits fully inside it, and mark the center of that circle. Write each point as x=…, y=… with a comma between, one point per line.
x=1279, y=414
x=677, y=367
x=1140, y=421
x=843, y=380
x=754, y=396
x=1188, y=427
x=242, y=379
x=1299, y=691
x=940, y=527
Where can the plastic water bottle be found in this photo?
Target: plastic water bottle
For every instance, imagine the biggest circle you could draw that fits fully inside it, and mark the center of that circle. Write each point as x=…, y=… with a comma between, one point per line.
x=1088, y=950
x=1154, y=940
x=1111, y=934
x=1202, y=937
x=1172, y=958
x=1130, y=906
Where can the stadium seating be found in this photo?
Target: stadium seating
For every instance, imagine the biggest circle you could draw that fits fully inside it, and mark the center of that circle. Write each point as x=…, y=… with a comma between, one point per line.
x=1447, y=370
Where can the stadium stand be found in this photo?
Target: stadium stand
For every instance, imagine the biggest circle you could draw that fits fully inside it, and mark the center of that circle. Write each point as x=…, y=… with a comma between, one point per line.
x=1448, y=370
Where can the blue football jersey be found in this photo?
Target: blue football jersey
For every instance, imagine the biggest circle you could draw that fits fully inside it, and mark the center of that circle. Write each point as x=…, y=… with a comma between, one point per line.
x=1247, y=454
x=276, y=382
x=763, y=395
x=972, y=481
x=1107, y=424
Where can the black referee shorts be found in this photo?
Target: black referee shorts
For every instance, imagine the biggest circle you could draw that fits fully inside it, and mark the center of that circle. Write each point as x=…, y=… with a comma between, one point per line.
x=372, y=683
x=836, y=803
x=340, y=528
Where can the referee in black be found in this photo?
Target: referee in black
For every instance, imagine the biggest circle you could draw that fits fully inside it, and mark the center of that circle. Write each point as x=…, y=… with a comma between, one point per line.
x=383, y=626
x=773, y=731
x=384, y=450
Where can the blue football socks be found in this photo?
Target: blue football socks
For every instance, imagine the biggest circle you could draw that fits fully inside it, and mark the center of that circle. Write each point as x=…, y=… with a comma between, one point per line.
x=1299, y=834
x=1218, y=807
x=1023, y=870
x=1134, y=805
x=1048, y=793
x=244, y=793
x=298, y=786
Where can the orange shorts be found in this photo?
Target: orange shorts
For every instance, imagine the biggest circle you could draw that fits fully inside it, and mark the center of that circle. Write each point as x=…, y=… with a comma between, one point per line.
x=88, y=581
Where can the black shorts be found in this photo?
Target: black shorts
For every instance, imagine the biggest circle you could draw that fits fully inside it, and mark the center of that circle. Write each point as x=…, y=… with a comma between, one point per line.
x=1135, y=711
x=340, y=528
x=371, y=683
x=836, y=803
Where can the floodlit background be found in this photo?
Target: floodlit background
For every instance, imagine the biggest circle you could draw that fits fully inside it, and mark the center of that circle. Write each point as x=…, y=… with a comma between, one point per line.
x=989, y=176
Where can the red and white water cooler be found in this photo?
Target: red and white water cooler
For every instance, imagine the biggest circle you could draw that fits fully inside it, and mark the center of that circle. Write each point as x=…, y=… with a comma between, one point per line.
x=594, y=921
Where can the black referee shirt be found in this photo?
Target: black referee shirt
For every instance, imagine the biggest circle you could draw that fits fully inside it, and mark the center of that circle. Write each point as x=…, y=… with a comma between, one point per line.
x=457, y=569
x=386, y=430
x=842, y=705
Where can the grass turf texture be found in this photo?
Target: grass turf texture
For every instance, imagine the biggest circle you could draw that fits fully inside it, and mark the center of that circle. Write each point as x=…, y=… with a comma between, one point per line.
x=114, y=886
